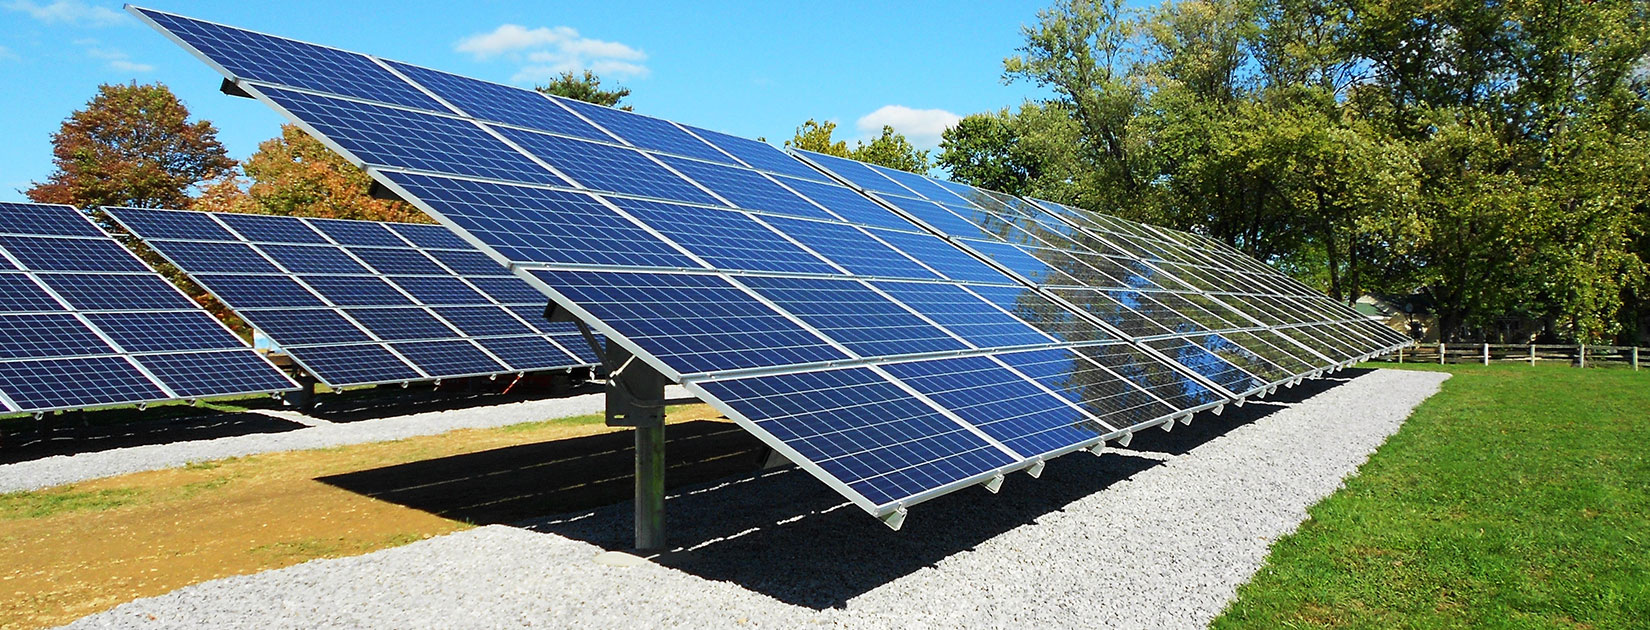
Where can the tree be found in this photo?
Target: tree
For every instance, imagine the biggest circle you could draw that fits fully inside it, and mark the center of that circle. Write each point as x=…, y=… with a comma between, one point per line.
x=816, y=136
x=586, y=87
x=892, y=150
x=296, y=175
x=132, y=145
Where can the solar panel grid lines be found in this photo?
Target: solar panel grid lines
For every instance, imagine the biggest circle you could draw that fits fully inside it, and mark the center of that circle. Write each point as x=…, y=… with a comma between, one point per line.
x=731, y=275
x=88, y=324
x=364, y=287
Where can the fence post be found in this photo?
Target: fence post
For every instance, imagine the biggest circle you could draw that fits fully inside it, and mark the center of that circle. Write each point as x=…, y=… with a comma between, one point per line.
x=1532, y=355
x=1582, y=354
x=1635, y=358
x=1401, y=356
x=1486, y=354
x=1440, y=353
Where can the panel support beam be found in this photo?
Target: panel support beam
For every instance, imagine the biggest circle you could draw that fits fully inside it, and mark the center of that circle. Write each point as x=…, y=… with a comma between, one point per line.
x=635, y=393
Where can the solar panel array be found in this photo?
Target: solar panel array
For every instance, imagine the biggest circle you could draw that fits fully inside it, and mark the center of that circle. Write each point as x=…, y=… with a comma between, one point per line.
x=895, y=359
x=85, y=323
x=1237, y=323
x=364, y=302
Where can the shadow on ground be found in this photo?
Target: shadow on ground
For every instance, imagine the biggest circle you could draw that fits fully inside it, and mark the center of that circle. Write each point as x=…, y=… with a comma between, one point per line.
x=778, y=532
x=26, y=438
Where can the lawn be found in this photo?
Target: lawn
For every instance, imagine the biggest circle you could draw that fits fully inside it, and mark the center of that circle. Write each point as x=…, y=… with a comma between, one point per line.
x=1517, y=497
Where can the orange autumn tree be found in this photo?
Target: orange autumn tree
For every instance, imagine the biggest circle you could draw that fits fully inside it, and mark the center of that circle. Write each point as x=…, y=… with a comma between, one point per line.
x=296, y=175
x=132, y=145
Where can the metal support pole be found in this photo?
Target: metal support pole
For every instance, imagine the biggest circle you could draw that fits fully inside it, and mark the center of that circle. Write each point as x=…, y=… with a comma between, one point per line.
x=304, y=398
x=635, y=398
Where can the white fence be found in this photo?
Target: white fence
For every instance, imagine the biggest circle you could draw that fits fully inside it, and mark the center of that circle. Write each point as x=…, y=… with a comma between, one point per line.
x=1581, y=355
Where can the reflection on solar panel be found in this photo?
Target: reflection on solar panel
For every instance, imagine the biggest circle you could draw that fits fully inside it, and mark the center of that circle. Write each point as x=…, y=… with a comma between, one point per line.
x=362, y=302
x=898, y=344
x=84, y=323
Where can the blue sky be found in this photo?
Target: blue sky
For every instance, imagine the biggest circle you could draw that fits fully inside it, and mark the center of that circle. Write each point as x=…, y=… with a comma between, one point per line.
x=752, y=69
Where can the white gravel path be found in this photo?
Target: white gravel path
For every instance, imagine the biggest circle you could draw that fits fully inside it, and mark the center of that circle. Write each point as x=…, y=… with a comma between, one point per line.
x=61, y=469
x=1156, y=536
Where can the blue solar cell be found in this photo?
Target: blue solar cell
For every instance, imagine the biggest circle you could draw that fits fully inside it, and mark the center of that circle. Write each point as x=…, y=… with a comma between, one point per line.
x=106, y=292
x=402, y=261
x=851, y=248
x=430, y=236
x=1042, y=313
x=939, y=218
x=1099, y=391
x=439, y=290
x=917, y=184
x=606, y=167
x=693, y=323
x=203, y=257
x=1002, y=404
x=964, y=314
x=1192, y=350
x=42, y=219
x=356, y=291
x=847, y=204
x=1120, y=315
x=71, y=254
x=193, y=374
x=746, y=188
x=347, y=232
x=954, y=263
x=534, y=316
x=529, y=353
x=857, y=172
x=153, y=224
x=725, y=238
x=509, y=290
x=241, y=292
x=1287, y=356
x=853, y=315
x=19, y=294
x=645, y=132
x=483, y=321
x=449, y=358
x=397, y=324
x=304, y=327
x=470, y=263
x=49, y=335
x=759, y=155
x=538, y=225
x=861, y=430
x=1146, y=304
x=326, y=259
x=75, y=382
x=1152, y=375
x=400, y=138
x=576, y=344
x=260, y=57
x=353, y=365
x=501, y=103
x=267, y=229
x=1021, y=262
x=1192, y=355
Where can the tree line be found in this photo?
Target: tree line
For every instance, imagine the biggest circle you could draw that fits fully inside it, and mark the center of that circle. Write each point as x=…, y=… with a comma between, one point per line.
x=1492, y=158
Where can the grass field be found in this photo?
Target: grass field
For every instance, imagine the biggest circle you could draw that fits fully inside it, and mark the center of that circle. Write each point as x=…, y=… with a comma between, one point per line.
x=1517, y=497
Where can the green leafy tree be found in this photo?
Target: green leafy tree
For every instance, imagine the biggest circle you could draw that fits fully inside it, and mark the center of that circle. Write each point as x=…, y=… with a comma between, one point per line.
x=816, y=136
x=132, y=145
x=893, y=150
x=586, y=87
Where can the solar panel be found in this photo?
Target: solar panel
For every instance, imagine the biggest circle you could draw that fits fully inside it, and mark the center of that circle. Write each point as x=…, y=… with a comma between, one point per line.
x=361, y=302
x=898, y=344
x=85, y=323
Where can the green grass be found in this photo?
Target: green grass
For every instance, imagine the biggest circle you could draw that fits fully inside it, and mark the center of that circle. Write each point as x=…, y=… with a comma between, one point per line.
x=571, y=421
x=1517, y=497
x=43, y=503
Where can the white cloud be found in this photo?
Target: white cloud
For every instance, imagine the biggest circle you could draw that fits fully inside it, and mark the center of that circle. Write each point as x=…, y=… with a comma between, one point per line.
x=921, y=126
x=545, y=52
x=118, y=60
x=71, y=12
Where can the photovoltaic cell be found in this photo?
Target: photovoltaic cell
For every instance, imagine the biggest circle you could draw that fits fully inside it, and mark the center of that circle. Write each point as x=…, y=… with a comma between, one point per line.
x=355, y=364
x=645, y=132
x=724, y=238
x=71, y=254
x=449, y=358
x=861, y=430
x=1004, y=405
x=746, y=188
x=851, y=248
x=853, y=315
x=75, y=382
x=19, y=294
x=500, y=103
x=212, y=257
x=104, y=292
x=197, y=374
x=43, y=220
x=964, y=314
x=605, y=167
x=165, y=332
x=1100, y=392
x=47, y=335
x=846, y=204
x=759, y=155
x=530, y=353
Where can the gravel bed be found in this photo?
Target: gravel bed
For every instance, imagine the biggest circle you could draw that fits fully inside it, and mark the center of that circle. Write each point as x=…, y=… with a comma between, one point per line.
x=317, y=433
x=1158, y=535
